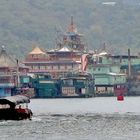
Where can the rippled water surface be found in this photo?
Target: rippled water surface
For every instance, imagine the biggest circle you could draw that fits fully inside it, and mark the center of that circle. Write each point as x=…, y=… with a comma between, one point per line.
x=77, y=119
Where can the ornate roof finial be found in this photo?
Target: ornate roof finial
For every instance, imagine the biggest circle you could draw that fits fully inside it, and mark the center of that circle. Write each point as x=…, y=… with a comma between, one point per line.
x=71, y=20
x=72, y=28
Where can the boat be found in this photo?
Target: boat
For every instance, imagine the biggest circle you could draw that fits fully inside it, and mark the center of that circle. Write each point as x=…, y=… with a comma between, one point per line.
x=77, y=84
x=72, y=85
x=109, y=79
x=12, y=108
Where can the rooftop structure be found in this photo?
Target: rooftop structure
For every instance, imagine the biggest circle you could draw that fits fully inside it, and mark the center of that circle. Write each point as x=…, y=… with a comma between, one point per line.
x=73, y=38
x=61, y=60
x=108, y=77
x=10, y=71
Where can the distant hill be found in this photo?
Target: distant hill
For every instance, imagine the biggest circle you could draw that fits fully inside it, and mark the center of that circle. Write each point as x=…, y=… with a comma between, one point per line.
x=28, y=22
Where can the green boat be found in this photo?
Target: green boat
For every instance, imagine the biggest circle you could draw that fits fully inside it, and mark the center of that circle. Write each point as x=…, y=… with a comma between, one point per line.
x=72, y=85
x=77, y=85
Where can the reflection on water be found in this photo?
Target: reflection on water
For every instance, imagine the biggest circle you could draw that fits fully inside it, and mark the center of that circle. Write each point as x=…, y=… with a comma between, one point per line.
x=72, y=126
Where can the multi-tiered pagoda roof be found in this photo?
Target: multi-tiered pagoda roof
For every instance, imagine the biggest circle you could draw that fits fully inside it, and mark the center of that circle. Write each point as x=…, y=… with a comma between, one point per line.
x=6, y=60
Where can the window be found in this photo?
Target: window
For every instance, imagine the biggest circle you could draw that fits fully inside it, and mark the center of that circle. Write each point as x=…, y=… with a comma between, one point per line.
x=35, y=67
x=100, y=59
x=42, y=67
x=49, y=67
x=55, y=67
x=69, y=67
x=68, y=82
x=62, y=67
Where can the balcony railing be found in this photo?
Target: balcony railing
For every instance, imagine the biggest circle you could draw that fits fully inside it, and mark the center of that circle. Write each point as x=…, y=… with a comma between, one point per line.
x=35, y=59
x=7, y=84
x=54, y=70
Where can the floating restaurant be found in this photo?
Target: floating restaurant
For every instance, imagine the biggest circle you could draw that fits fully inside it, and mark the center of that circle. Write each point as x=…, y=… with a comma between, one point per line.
x=67, y=57
x=48, y=72
x=109, y=80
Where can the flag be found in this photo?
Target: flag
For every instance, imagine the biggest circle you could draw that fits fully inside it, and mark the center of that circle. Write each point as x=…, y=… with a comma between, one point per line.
x=84, y=62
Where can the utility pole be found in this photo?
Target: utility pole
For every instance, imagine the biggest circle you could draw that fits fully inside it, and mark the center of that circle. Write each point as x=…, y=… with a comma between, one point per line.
x=129, y=64
x=18, y=80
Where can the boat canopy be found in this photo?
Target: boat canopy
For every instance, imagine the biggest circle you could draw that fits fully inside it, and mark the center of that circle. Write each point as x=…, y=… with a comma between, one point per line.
x=14, y=100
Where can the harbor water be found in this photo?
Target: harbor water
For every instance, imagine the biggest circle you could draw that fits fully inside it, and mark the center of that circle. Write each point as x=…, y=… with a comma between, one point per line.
x=101, y=118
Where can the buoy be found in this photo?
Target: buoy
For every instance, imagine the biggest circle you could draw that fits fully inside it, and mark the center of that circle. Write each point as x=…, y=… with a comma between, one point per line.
x=120, y=97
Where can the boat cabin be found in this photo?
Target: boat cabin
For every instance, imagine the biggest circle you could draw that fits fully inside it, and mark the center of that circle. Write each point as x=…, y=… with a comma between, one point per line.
x=109, y=80
x=77, y=85
x=45, y=86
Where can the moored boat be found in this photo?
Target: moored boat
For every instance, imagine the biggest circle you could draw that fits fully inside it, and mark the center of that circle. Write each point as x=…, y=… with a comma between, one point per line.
x=73, y=85
x=77, y=85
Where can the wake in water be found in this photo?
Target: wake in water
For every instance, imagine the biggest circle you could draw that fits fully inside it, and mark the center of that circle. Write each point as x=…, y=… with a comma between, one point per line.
x=77, y=119
x=73, y=127
x=89, y=126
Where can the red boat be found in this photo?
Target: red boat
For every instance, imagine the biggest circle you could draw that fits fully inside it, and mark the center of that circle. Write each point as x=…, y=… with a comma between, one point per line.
x=10, y=108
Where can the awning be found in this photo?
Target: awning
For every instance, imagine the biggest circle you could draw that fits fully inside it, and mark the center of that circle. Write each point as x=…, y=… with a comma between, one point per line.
x=14, y=100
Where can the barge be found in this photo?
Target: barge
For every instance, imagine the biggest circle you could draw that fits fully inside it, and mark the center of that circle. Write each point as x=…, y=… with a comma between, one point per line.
x=71, y=86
